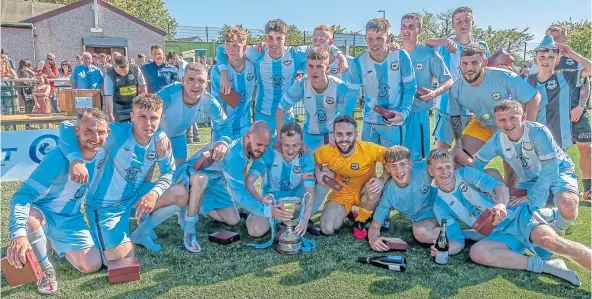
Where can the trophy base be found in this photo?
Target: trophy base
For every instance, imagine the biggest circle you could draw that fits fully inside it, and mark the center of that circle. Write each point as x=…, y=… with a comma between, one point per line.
x=289, y=248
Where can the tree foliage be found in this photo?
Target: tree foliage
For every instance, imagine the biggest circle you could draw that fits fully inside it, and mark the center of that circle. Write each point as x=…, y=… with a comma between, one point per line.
x=579, y=36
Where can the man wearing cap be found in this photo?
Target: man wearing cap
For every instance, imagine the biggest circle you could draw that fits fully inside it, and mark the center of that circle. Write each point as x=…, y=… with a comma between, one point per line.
x=123, y=82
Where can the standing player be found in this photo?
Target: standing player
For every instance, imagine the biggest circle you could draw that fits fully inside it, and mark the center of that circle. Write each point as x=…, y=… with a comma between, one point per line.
x=450, y=49
x=389, y=82
x=410, y=192
x=352, y=164
x=243, y=79
x=538, y=161
x=285, y=173
x=428, y=65
x=465, y=193
x=276, y=67
x=133, y=150
x=47, y=206
x=560, y=89
x=186, y=103
x=322, y=37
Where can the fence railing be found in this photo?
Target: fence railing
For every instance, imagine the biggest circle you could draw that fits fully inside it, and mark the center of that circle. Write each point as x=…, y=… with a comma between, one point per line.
x=17, y=95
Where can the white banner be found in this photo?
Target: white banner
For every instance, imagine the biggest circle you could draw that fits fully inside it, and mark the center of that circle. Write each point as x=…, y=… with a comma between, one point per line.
x=22, y=151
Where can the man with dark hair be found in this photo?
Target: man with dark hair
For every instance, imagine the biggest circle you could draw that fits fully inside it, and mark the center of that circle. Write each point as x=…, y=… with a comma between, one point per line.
x=352, y=164
x=141, y=59
x=159, y=73
x=123, y=83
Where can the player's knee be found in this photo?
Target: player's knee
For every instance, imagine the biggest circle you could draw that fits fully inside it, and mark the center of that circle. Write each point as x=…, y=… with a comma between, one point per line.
x=327, y=228
x=256, y=230
x=180, y=194
x=567, y=203
x=478, y=254
x=422, y=235
x=34, y=221
x=232, y=219
x=89, y=265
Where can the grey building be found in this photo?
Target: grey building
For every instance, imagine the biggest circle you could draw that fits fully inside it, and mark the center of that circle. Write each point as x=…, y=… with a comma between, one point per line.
x=85, y=26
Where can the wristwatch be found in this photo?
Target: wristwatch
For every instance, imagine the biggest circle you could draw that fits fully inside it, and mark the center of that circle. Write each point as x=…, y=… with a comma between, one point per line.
x=582, y=105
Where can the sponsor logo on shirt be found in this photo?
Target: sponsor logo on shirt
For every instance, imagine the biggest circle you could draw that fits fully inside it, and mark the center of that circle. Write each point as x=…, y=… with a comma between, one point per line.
x=355, y=166
x=486, y=116
x=551, y=84
x=394, y=66
x=80, y=192
x=151, y=155
x=277, y=80
x=131, y=77
x=131, y=174
x=419, y=67
x=524, y=162
x=287, y=62
x=330, y=100
x=463, y=187
x=296, y=169
x=496, y=96
x=383, y=91
x=424, y=189
x=321, y=116
x=284, y=185
x=249, y=77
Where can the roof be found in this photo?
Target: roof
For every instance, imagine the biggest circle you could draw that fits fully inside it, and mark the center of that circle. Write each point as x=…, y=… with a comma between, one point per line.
x=63, y=9
x=16, y=25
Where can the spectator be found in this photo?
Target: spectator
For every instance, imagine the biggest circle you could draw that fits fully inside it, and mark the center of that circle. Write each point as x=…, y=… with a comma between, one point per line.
x=525, y=70
x=159, y=73
x=123, y=82
x=42, y=94
x=141, y=59
x=51, y=72
x=131, y=61
x=178, y=62
x=25, y=90
x=78, y=60
x=7, y=88
x=86, y=75
x=102, y=63
x=4, y=56
x=95, y=58
x=65, y=69
x=210, y=62
x=113, y=56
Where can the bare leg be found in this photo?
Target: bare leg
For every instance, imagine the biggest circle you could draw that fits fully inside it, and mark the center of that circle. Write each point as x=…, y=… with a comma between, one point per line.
x=120, y=251
x=546, y=237
x=567, y=205
x=426, y=231
x=86, y=260
x=510, y=176
x=585, y=150
x=228, y=215
x=258, y=226
x=495, y=174
x=442, y=145
x=332, y=217
x=198, y=184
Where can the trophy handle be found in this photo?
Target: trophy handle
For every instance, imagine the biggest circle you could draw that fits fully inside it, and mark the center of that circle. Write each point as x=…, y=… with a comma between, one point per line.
x=305, y=202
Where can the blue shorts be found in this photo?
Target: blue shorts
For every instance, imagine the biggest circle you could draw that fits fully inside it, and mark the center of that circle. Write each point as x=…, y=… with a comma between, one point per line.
x=383, y=134
x=179, y=145
x=424, y=215
x=417, y=130
x=270, y=119
x=514, y=231
x=66, y=233
x=216, y=195
x=443, y=128
x=110, y=225
x=567, y=181
x=314, y=141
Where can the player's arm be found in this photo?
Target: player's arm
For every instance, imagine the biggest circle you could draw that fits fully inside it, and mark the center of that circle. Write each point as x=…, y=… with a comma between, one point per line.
x=523, y=92
x=381, y=213
x=486, y=153
x=441, y=72
x=256, y=171
x=354, y=83
x=222, y=63
x=408, y=82
x=308, y=180
x=456, y=240
x=219, y=118
x=569, y=53
x=445, y=42
x=500, y=194
x=142, y=89
x=289, y=99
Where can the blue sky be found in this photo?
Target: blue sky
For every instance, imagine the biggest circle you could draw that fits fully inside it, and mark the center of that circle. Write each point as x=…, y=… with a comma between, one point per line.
x=253, y=14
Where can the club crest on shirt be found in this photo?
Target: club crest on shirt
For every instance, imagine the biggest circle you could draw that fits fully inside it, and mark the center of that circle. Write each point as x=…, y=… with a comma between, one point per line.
x=330, y=100
x=424, y=189
x=151, y=155
x=321, y=116
x=249, y=77
x=287, y=62
x=80, y=192
x=333, y=70
x=355, y=166
x=496, y=96
x=394, y=66
x=243, y=96
x=284, y=185
x=569, y=61
x=551, y=84
x=527, y=146
x=419, y=67
x=131, y=174
x=131, y=76
x=296, y=169
x=463, y=187
x=277, y=80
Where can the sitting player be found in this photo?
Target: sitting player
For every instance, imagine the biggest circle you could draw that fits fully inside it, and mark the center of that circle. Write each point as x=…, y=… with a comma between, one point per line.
x=539, y=163
x=464, y=194
x=352, y=164
x=410, y=192
x=47, y=206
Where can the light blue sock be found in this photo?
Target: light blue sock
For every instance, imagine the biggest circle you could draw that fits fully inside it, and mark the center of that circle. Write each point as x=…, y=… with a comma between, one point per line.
x=561, y=224
x=535, y=264
x=38, y=242
x=142, y=234
x=190, y=222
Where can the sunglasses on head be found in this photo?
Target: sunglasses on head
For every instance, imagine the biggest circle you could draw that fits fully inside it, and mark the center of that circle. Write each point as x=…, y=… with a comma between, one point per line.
x=48, y=58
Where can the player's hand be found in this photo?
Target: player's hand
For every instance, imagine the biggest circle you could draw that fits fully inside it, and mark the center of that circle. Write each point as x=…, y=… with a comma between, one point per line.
x=375, y=185
x=146, y=204
x=320, y=174
x=15, y=253
x=267, y=200
x=565, y=50
x=278, y=214
x=261, y=46
x=397, y=120
x=225, y=85
x=78, y=172
x=576, y=113
x=342, y=64
x=500, y=213
x=379, y=244
x=299, y=76
x=428, y=97
x=393, y=46
x=163, y=147
x=461, y=157
x=300, y=229
x=515, y=201
x=433, y=250
x=219, y=151
x=450, y=45
x=110, y=117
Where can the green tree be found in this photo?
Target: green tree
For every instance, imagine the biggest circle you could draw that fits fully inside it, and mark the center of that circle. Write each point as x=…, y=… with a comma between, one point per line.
x=578, y=36
x=511, y=40
x=295, y=36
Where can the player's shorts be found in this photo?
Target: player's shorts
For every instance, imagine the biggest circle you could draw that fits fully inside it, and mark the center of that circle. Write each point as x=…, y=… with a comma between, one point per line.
x=476, y=130
x=110, y=225
x=314, y=141
x=443, y=129
x=417, y=130
x=381, y=215
x=383, y=134
x=567, y=181
x=581, y=130
x=179, y=145
x=216, y=195
x=348, y=201
x=514, y=231
x=270, y=119
x=66, y=233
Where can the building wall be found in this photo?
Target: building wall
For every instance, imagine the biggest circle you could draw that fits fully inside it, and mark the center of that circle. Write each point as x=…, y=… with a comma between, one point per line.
x=18, y=42
x=63, y=34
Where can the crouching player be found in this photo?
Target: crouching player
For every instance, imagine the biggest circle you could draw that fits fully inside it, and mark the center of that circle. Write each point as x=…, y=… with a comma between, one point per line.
x=464, y=194
x=410, y=192
x=47, y=206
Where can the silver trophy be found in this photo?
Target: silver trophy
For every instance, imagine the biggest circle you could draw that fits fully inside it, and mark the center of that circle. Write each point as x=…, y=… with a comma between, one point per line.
x=290, y=242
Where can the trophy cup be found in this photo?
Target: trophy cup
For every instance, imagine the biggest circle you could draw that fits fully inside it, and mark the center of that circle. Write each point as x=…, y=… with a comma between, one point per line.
x=290, y=242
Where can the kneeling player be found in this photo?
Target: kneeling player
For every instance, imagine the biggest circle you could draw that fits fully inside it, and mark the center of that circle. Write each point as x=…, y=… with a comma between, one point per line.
x=285, y=174
x=464, y=195
x=352, y=164
x=410, y=192
x=47, y=206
